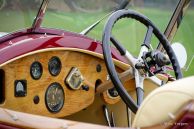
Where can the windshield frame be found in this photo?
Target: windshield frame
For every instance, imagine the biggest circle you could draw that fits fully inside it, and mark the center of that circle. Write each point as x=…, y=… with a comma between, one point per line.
x=40, y=15
x=175, y=21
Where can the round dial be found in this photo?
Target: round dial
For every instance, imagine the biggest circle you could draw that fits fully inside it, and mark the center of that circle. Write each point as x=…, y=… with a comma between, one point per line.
x=54, y=66
x=113, y=92
x=54, y=97
x=36, y=70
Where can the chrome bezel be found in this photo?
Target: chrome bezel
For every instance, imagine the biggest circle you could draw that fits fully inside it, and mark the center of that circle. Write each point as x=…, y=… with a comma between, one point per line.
x=62, y=101
x=58, y=68
x=41, y=70
x=73, y=75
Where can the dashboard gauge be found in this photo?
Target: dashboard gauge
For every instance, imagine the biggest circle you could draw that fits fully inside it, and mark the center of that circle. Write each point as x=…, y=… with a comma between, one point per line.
x=54, y=97
x=36, y=70
x=74, y=79
x=54, y=66
x=113, y=93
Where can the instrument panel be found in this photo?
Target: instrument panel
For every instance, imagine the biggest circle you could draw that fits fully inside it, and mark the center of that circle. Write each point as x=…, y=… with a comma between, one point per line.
x=52, y=83
x=54, y=97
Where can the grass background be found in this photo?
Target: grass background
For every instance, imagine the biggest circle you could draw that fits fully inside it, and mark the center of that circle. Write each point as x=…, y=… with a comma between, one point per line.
x=129, y=32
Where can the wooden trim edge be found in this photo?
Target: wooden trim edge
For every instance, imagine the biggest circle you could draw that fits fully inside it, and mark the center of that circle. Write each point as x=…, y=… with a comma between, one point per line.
x=118, y=63
x=24, y=120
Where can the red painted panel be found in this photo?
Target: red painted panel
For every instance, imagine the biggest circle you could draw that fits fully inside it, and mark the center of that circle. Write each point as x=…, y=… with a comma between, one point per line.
x=28, y=42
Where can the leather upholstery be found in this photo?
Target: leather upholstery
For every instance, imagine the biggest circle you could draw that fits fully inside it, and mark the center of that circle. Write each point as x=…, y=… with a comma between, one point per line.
x=163, y=101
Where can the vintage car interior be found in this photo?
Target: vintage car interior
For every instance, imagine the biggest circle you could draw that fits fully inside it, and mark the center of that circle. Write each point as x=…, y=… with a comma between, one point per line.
x=51, y=78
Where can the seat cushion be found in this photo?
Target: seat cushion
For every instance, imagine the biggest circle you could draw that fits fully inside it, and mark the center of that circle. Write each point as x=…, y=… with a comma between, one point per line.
x=163, y=101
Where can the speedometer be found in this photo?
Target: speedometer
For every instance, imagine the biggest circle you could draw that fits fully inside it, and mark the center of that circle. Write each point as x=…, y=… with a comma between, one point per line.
x=54, y=97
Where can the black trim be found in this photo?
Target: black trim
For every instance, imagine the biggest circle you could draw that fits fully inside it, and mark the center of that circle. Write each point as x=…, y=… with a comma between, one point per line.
x=140, y=95
x=2, y=86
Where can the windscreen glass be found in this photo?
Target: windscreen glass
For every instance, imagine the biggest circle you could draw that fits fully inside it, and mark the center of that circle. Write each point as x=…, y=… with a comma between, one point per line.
x=17, y=14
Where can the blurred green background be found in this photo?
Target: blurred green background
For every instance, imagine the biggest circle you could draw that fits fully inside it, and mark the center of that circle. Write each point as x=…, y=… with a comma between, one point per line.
x=73, y=15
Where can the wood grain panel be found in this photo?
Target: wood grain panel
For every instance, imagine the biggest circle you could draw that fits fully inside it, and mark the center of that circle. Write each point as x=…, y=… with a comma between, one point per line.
x=149, y=86
x=19, y=69
x=75, y=100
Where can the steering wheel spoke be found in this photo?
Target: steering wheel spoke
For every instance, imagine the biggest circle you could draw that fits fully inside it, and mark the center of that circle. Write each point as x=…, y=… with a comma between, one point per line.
x=155, y=80
x=148, y=37
x=142, y=51
x=131, y=60
x=139, y=87
x=147, y=40
x=118, y=45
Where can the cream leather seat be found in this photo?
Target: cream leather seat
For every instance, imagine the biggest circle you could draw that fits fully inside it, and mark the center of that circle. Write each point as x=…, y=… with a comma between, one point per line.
x=163, y=101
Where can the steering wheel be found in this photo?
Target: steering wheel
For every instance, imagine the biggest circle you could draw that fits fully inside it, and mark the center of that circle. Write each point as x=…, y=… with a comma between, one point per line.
x=148, y=63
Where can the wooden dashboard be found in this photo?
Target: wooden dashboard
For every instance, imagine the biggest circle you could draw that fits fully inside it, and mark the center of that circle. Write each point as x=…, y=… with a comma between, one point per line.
x=92, y=69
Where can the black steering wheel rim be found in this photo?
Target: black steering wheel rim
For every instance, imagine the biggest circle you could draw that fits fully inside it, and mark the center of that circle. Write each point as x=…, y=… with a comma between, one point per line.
x=108, y=58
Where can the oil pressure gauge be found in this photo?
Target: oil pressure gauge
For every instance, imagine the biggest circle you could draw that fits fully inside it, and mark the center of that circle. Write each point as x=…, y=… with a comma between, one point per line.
x=36, y=70
x=54, y=66
x=54, y=97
